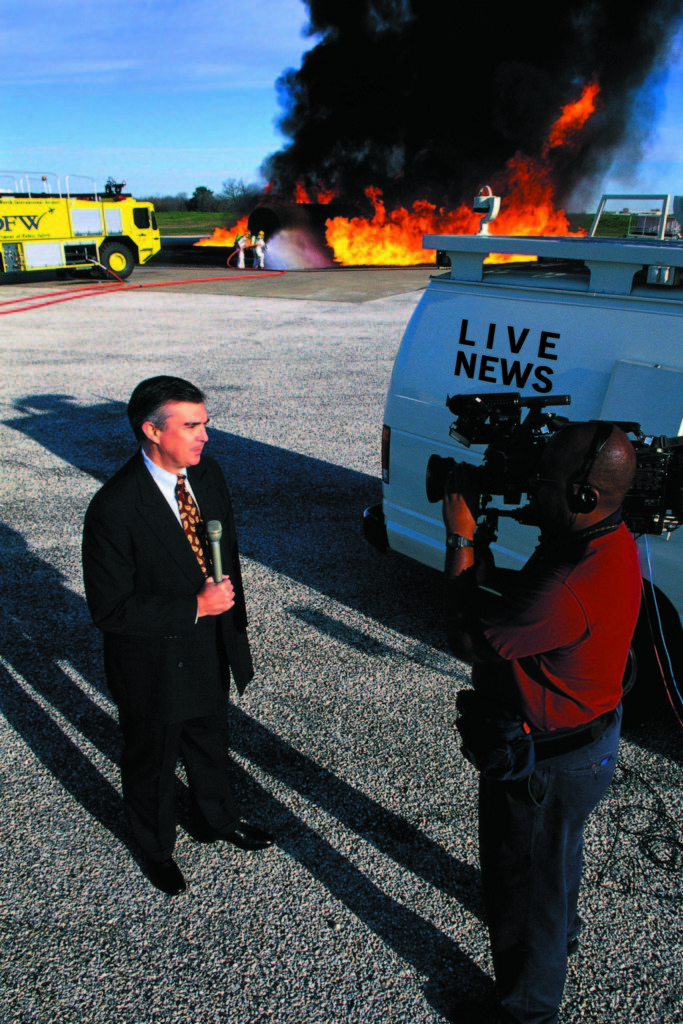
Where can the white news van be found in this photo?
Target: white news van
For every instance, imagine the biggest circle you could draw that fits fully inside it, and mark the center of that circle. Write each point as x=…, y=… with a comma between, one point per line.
x=595, y=318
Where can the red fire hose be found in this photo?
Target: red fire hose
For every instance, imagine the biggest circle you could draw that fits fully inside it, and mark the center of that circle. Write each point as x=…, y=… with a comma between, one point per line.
x=106, y=288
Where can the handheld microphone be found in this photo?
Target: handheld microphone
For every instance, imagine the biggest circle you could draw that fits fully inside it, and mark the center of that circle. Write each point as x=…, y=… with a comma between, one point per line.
x=214, y=532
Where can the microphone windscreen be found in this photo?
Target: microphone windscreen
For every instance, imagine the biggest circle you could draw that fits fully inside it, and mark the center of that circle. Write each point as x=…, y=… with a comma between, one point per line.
x=214, y=530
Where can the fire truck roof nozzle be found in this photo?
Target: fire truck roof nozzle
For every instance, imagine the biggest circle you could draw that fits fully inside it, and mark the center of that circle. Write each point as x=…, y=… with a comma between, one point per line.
x=488, y=204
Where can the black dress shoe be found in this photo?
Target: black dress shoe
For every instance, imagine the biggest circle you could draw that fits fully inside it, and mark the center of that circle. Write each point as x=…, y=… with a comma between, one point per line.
x=165, y=875
x=244, y=835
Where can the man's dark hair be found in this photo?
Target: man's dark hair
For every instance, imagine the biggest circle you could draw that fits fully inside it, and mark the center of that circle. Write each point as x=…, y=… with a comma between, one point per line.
x=151, y=395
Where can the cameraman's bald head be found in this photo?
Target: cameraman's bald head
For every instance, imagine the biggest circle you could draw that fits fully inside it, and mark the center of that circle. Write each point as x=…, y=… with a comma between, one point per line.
x=611, y=473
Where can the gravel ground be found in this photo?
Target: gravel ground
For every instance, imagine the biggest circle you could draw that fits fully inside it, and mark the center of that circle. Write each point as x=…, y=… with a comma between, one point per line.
x=369, y=909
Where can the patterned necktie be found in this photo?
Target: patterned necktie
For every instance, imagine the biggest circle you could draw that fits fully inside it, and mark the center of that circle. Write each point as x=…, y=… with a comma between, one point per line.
x=191, y=521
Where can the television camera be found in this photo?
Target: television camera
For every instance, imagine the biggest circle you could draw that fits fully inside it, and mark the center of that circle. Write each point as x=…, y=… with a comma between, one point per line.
x=653, y=505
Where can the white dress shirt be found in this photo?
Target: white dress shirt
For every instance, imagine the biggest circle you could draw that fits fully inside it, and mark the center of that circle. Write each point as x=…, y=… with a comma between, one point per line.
x=166, y=482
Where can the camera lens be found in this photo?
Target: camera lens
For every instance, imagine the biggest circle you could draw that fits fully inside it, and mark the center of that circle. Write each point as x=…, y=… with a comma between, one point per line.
x=438, y=469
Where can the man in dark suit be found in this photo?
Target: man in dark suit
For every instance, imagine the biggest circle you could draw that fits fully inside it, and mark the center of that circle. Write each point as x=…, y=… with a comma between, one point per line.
x=172, y=634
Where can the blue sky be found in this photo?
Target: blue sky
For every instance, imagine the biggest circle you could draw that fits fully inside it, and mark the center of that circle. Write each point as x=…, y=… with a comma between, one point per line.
x=166, y=94
x=171, y=94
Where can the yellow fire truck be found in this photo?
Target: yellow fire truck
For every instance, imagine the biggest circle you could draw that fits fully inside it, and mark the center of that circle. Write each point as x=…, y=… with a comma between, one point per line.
x=46, y=226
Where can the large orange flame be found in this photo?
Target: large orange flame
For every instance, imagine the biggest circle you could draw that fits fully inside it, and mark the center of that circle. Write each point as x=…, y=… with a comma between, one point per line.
x=395, y=238
x=322, y=195
x=300, y=193
x=226, y=236
x=325, y=195
x=565, y=131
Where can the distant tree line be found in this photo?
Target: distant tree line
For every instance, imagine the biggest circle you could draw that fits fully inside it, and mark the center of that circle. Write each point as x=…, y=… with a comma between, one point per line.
x=235, y=198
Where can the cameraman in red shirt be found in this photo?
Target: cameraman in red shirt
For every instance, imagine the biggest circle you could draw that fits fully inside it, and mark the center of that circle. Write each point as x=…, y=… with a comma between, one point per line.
x=542, y=723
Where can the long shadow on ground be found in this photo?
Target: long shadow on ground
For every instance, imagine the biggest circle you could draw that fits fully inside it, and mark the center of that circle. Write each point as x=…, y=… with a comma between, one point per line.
x=301, y=517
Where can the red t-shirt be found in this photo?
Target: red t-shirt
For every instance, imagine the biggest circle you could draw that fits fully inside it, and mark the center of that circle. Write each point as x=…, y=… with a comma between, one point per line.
x=564, y=630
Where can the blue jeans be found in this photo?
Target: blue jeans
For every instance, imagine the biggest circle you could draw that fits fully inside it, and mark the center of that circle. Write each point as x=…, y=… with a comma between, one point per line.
x=531, y=844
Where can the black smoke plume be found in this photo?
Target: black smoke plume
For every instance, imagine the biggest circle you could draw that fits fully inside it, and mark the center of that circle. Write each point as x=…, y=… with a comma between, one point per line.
x=430, y=98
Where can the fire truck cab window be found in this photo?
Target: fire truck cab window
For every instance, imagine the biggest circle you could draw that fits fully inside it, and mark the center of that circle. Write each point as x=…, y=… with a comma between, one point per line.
x=141, y=217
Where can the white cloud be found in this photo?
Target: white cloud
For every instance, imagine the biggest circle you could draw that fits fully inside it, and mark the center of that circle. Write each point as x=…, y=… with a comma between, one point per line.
x=165, y=44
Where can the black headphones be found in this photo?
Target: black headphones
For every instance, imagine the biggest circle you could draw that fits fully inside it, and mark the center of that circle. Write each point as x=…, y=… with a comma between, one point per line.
x=585, y=499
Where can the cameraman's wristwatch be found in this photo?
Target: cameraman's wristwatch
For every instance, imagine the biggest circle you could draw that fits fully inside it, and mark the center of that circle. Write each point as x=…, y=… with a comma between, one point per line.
x=455, y=540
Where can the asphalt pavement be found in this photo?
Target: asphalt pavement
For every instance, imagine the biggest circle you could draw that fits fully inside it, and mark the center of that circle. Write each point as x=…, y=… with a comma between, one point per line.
x=369, y=907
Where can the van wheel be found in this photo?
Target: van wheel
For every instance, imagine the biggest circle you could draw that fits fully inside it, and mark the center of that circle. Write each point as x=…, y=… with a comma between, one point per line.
x=653, y=679
x=630, y=672
x=118, y=258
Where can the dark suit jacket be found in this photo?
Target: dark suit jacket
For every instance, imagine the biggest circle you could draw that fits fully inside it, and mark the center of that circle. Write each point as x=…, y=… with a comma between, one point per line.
x=141, y=581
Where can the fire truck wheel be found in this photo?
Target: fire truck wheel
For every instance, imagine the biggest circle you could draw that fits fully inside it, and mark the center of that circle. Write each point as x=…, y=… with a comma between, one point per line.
x=118, y=258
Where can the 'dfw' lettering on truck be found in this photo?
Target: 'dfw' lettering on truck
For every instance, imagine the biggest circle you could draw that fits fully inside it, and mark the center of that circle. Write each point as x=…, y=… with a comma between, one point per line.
x=30, y=221
x=497, y=364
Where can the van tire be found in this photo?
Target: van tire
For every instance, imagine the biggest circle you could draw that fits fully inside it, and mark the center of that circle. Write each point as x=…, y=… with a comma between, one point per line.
x=654, y=670
x=117, y=258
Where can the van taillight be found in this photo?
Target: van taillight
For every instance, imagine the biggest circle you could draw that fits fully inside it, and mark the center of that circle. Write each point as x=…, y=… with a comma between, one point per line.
x=386, y=440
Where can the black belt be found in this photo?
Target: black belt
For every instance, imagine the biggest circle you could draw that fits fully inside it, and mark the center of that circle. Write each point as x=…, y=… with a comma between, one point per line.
x=580, y=737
